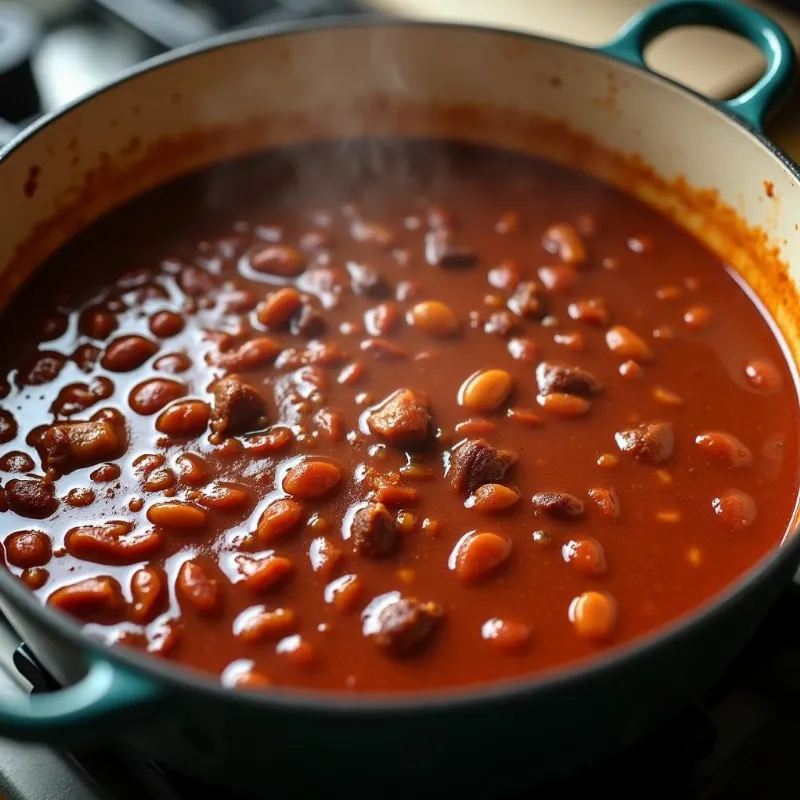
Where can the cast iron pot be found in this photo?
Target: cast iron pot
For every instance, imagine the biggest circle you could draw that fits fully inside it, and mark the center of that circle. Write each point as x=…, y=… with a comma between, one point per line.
x=257, y=89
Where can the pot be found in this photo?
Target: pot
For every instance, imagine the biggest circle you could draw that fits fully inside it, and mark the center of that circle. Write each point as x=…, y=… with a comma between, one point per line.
x=598, y=108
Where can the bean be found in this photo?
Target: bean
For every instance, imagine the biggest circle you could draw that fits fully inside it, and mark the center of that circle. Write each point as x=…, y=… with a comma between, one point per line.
x=585, y=555
x=485, y=390
x=372, y=233
x=564, y=405
x=607, y=501
x=265, y=573
x=165, y=324
x=383, y=350
x=492, y=498
x=560, y=278
x=477, y=555
x=274, y=440
x=185, y=419
x=151, y=396
x=176, y=514
x=311, y=478
x=147, y=589
x=173, y=363
x=434, y=318
x=524, y=350
x=592, y=311
x=105, y=473
x=670, y=292
x=16, y=461
x=34, y=577
x=88, y=597
x=240, y=301
x=593, y=615
x=631, y=370
x=558, y=504
x=80, y=497
x=382, y=320
x=224, y=497
x=297, y=651
x=641, y=244
x=697, y=317
x=159, y=480
x=198, y=588
x=505, y=276
x=506, y=635
x=572, y=341
x=565, y=240
x=128, y=353
x=8, y=426
x=258, y=624
x=251, y=679
x=508, y=223
x=476, y=427
x=112, y=543
x=97, y=323
x=324, y=555
x=344, y=593
x=252, y=354
x=625, y=343
x=735, y=509
x=281, y=260
x=764, y=375
x=527, y=416
x=279, y=307
x=726, y=447
x=31, y=498
x=26, y=549
x=47, y=366
x=193, y=470
x=352, y=374
x=279, y=519
x=666, y=398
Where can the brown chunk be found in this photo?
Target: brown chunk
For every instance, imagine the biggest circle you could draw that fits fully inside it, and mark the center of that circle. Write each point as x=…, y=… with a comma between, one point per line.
x=26, y=549
x=69, y=445
x=372, y=530
x=527, y=300
x=278, y=259
x=33, y=498
x=367, y=281
x=475, y=462
x=237, y=406
x=400, y=625
x=402, y=418
x=652, y=441
x=564, y=379
x=559, y=504
x=442, y=250
x=309, y=323
x=127, y=353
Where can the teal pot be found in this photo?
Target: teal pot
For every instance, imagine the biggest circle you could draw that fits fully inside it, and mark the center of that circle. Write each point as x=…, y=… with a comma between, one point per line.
x=267, y=88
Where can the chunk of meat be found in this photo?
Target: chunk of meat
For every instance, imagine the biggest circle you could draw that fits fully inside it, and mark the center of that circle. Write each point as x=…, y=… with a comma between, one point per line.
x=475, y=462
x=527, y=300
x=564, y=379
x=400, y=625
x=238, y=406
x=372, y=530
x=559, y=504
x=66, y=446
x=402, y=418
x=652, y=441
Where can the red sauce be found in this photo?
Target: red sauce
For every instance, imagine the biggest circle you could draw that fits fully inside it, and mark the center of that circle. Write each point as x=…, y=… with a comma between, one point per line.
x=388, y=415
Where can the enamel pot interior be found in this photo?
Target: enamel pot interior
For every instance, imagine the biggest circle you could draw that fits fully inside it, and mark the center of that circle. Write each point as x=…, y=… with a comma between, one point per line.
x=341, y=81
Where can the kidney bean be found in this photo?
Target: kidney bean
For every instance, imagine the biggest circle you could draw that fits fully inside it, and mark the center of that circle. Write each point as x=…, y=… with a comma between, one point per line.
x=492, y=498
x=252, y=354
x=128, y=353
x=279, y=307
x=173, y=363
x=159, y=480
x=592, y=311
x=165, y=324
x=32, y=498
x=505, y=276
x=631, y=370
x=258, y=624
x=300, y=653
x=147, y=590
x=697, y=317
x=477, y=426
x=34, y=577
x=251, y=679
x=625, y=343
x=506, y=635
x=30, y=548
x=311, y=478
x=345, y=593
x=80, y=497
x=177, y=514
x=196, y=282
x=105, y=473
x=558, y=504
x=323, y=555
x=524, y=350
x=185, y=419
x=564, y=405
x=54, y=327
x=666, y=398
x=89, y=597
x=274, y=440
x=45, y=368
x=477, y=555
x=764, y=376
x=265, y=573
x=8, y=426
x=593, y=615
x=240, y=301
x=400, y=625
x=485, y=390
x=726, y=447
x=198, y=589
x=383, y=350
x=150, y=396
x=527, y=300
x=112, y=543
x=735, y=509
x=560, y=278
x=585, y=555
x=193, y=470
x=279, y=519
x=641, y=244
x=98, y=323
x=565, y=241
x=434, y=318
x=280, y=260
x=224, y=497
x=16, y=461
x=607, y=501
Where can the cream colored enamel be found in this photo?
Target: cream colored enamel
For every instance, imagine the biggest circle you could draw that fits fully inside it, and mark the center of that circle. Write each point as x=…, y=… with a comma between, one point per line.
x=326, y=74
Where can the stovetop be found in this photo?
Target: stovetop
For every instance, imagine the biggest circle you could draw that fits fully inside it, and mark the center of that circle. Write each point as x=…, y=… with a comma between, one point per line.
x=738, y=740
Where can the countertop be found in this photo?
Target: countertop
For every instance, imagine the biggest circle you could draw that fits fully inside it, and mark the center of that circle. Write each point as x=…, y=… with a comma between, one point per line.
x=715, y=63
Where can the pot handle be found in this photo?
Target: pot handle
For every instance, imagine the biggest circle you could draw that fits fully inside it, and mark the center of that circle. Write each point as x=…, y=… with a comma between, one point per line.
x=104, y=693
x=760, y=100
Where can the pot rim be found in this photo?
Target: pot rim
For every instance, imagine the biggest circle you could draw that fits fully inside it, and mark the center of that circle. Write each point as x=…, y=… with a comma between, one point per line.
x=182, y=678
